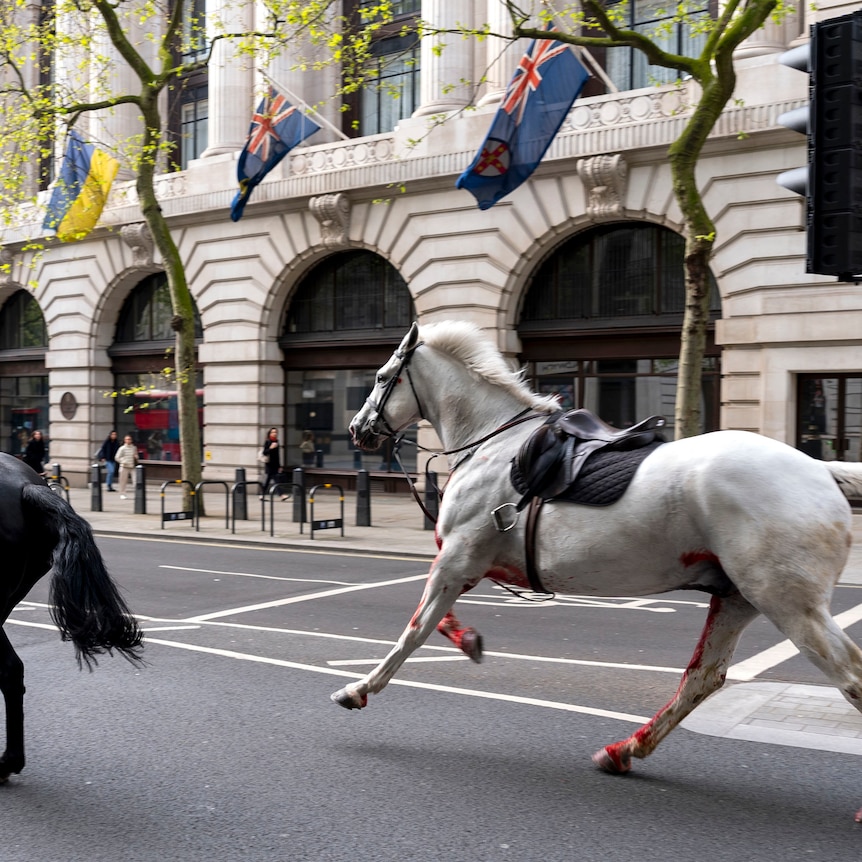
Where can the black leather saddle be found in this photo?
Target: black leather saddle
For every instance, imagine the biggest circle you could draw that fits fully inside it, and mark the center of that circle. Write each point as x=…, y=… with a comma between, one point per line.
x=550, y=462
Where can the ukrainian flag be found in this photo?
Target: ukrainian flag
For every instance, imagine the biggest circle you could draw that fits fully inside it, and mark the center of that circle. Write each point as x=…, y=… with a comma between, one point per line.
x=81, y=190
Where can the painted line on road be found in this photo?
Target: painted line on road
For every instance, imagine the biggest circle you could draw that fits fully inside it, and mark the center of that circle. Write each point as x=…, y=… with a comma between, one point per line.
x=676, y=671
x=349, y=662
x=278, y=603
x=274, y=549
x=467, y=692
x=747, y=670
x=262, y=577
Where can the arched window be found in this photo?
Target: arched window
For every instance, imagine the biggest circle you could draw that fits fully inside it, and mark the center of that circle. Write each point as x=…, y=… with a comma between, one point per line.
x=23, y=379
x=22, y=325
x=347, y=316
x=352, y=290
x=601, y=324
x=612, y=272
x=144, y=375
x=146, y=314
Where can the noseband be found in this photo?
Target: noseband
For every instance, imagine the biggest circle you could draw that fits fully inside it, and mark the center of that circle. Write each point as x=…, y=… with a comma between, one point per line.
x=379, y=425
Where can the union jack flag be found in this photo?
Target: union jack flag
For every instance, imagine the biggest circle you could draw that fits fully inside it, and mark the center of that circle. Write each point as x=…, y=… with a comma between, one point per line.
x=541, y=93
x=276, y=128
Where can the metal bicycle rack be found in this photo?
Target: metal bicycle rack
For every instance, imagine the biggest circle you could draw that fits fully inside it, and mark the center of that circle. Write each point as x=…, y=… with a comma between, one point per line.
x=325, y=523
x=199, y=501
x=271, y=494
x=184, y=515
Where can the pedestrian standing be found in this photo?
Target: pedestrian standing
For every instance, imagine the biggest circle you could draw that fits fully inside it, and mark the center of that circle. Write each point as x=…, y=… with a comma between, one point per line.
x=34, y=453
x=108, y=453
x=127, y=458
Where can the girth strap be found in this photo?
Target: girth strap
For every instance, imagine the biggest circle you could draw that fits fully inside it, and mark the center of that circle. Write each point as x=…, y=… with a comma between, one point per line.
x=531, y=528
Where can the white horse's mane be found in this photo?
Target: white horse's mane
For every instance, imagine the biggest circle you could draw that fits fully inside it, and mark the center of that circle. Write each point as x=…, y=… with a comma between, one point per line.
x=467, y=343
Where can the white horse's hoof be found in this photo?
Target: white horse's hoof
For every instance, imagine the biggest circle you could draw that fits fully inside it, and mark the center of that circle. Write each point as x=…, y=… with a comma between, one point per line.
x=348, y=699
x=471, y=645
x=610, y=761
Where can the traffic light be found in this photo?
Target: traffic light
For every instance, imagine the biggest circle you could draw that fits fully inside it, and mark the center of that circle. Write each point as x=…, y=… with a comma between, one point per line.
x=832, y=181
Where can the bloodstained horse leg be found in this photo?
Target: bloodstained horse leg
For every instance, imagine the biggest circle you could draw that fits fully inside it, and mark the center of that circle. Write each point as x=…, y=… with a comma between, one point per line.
x=12, y=687
x=466, y=638
x=705, y=674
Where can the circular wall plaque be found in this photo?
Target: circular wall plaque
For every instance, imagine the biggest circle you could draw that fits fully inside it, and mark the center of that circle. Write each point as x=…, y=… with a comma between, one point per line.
x=68, y=405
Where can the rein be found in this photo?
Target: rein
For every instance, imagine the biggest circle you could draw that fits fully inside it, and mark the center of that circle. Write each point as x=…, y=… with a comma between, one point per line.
x=524, y=416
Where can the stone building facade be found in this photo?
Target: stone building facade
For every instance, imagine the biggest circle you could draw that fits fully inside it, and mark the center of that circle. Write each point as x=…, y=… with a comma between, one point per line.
x=349, y=239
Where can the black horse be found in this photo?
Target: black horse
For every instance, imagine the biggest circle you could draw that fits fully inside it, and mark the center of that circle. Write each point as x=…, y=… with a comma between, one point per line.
x=40, y=533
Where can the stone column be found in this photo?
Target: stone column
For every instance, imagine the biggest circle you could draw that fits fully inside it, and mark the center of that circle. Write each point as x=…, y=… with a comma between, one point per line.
x=231, y=80
x=445, y=77
x=314, y=87
x=772, y=38
x=501, y=57
x=118, y=130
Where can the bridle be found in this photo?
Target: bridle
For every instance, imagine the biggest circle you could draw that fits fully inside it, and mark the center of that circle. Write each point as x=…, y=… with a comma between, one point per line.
x=379, y=425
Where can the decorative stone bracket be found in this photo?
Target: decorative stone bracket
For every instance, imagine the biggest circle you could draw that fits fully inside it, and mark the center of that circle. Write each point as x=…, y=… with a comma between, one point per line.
x=6, y=260
x=605, y=179
x=333, y=213
x=139, y=239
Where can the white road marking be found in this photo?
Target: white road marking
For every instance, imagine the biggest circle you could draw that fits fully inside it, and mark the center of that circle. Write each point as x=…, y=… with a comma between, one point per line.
x=272, y=549
x=468, y=692
x=747, y=670
x=31, y=625
x=278, y=603
x=261, y=577
x=170, y=628
x=676, y=671
x=348, y=662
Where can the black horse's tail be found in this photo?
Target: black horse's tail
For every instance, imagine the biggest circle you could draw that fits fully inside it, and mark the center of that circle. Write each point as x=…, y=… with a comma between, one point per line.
x=85, y=603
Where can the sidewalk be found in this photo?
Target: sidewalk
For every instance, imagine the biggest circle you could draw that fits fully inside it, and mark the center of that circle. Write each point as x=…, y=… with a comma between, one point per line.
x=806, y=716
x=396, y=521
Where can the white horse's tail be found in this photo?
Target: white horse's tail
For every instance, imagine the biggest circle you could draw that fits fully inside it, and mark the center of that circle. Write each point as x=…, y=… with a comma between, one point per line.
x=848, y=475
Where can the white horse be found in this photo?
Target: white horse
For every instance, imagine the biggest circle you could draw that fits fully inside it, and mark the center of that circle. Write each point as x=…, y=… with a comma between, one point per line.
x=761, y=526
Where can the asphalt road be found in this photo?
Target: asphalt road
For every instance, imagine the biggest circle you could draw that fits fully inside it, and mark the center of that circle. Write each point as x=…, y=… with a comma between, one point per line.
x=226, y=746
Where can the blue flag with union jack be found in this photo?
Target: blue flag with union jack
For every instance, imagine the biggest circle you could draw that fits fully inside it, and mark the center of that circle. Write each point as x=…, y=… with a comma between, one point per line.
x=276, y=128
x=546, y=83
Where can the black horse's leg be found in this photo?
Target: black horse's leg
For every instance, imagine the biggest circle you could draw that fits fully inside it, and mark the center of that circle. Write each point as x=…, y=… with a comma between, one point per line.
x=12, y=687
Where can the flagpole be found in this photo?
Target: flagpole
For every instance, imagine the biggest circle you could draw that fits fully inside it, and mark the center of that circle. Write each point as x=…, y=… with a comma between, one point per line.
x=584, y=52
x=305, y=105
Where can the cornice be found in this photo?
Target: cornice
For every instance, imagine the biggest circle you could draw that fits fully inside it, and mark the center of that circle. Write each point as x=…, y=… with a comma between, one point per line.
x=629, y=123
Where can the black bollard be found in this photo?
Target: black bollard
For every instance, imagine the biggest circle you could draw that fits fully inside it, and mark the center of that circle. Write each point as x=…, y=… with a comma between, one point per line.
x=357, y=459
x=432, y=500
x=363, y=499
x=240, y=498
x=140, y=491
x=56, y=473
x=299, y=496
x=319, y=455
x=96, y=488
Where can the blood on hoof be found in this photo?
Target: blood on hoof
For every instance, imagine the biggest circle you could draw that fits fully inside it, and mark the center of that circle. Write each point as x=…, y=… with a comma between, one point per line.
x=348, y=699
x=613, y=759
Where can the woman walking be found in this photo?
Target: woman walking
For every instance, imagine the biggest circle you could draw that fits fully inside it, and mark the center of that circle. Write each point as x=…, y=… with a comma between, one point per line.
x=270, y=454
x=107, y=453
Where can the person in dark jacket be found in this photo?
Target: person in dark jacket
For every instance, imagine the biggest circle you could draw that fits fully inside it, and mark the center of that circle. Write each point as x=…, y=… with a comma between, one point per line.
x=34, y=453
x=107, y=453
x=271, y=451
